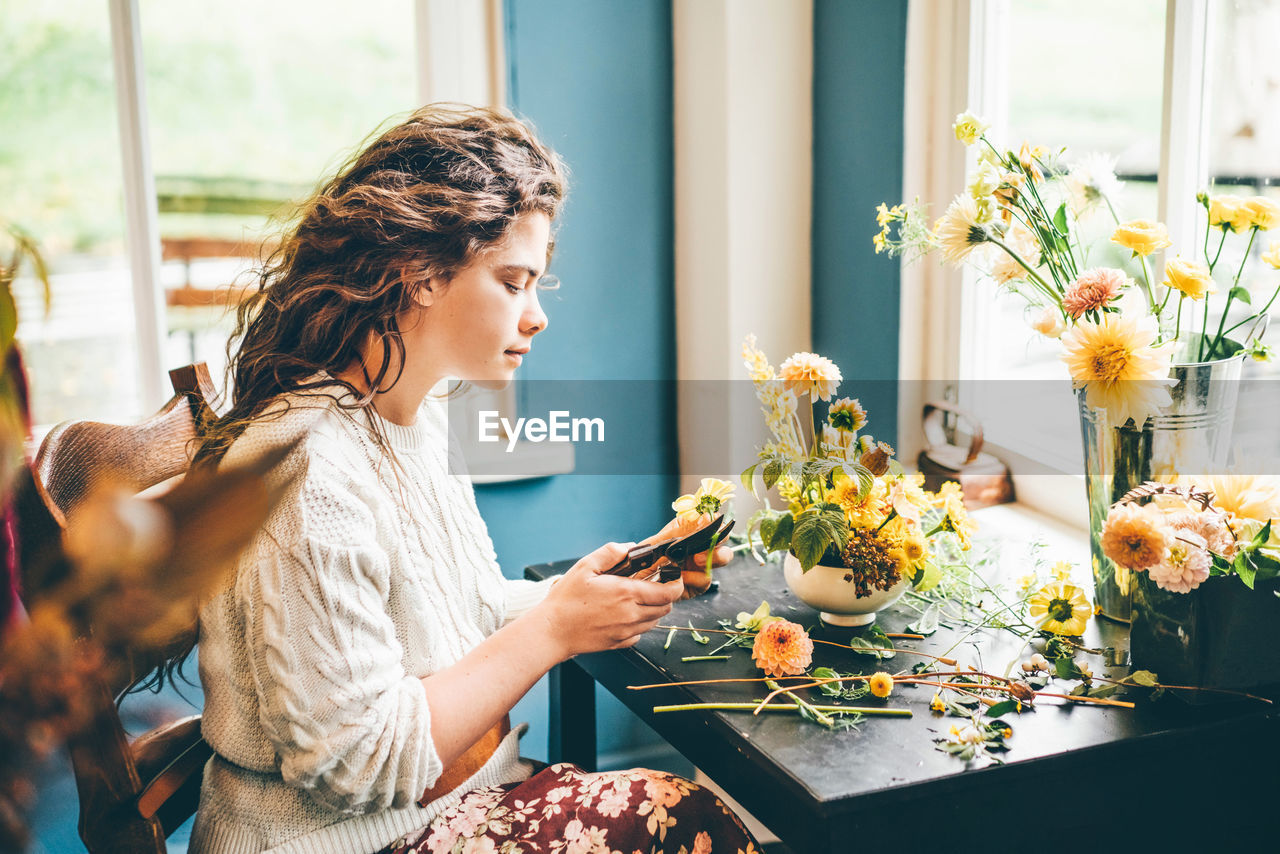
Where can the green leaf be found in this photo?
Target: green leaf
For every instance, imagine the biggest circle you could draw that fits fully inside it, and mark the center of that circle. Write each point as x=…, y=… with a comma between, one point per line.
x=1060, y=219
x=1260, y=539
x=928, y=622
x=1145, y=678
x=773, y=470
x=810, y=541
x=1065, y=668
x=768, y=525
x=875, y=644
x=1245, y=570
x=1003, y=707
x=782, y=534
x=832, y=689
x=1103, y=691
x=8, y=319
x=1241, y=294
x=749, y=479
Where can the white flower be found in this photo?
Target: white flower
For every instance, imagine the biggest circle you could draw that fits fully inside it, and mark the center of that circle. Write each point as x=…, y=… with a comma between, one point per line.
x=1048, y=322
x=960, y=230
x=1091, y=180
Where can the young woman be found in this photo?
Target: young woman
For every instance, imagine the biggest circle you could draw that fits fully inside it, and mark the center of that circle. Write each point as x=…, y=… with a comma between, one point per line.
x=359, y=668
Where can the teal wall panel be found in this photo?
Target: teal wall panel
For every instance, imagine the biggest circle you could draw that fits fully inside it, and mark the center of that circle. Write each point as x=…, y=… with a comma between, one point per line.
x=859, y=55
x=595, y=80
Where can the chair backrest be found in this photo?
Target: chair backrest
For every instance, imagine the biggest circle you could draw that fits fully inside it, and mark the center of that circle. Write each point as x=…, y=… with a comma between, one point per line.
x=132, y=796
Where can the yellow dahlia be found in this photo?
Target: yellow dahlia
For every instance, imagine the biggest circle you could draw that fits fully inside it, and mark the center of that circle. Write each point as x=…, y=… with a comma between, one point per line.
x=1246, y=496
x=868, y=512
x=960, y=230
x=782, y=648
x=1143, y=236
x=811, y=373
x=1190, y=277
x=708, y=498
x=1115, y=362
x=847, y=414
x=1263, y=213
x=1135, y=537
x=881, y=684
x=1061, y=609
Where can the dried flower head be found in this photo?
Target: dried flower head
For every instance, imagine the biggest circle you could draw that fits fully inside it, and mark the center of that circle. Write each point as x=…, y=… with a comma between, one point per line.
x=782, y=648
x=876, y=460
x=1093, y=290
x=871, y=561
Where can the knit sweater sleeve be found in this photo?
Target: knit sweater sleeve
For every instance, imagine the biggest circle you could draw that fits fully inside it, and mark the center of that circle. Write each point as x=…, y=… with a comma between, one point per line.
x=348, y=724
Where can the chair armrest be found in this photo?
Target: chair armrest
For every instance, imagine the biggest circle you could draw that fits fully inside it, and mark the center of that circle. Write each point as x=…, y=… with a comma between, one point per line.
x=170, y=761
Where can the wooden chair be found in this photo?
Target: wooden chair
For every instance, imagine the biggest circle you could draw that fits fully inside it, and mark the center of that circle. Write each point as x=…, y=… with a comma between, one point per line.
x=132, y=795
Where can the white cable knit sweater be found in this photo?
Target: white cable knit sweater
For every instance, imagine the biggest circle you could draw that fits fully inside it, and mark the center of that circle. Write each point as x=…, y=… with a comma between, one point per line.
x=360, y=583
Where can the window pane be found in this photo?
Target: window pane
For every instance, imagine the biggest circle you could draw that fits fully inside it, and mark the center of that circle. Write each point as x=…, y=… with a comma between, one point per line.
x=250, y=105
x=60, y=178
x=1244, y=137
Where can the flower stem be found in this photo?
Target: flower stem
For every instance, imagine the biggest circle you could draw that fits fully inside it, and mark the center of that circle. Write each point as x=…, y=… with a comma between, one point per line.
x=705, y=658
x=1231, y=294
x=784, y=707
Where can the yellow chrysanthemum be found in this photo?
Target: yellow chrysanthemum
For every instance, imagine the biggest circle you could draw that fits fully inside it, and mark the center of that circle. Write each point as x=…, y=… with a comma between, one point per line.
x=708, y=498
x=1272, y=256
x=867, y=513
x=1229, y=213
x=955, y=518
x=969, y=128
x=1263, y=213
x=881, y=684
x=959, y=230
x=1190, y=277
x=809, y=373
x=1115, y=362
x=1061, y=609
x=1143, y=236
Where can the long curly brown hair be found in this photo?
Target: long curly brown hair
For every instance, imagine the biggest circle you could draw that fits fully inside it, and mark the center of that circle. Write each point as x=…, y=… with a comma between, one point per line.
x=417, y=203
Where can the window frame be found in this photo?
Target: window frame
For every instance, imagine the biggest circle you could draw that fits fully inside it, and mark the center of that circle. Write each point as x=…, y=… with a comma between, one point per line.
x=954, y=65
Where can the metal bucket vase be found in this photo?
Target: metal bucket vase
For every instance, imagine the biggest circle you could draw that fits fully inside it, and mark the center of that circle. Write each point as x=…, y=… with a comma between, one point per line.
x=1191, y=436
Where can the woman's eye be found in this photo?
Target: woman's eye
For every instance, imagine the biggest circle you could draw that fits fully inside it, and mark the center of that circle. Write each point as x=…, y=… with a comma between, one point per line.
x=515, y=289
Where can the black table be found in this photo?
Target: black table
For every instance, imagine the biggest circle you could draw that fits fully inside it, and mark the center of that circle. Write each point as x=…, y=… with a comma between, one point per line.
x=1166, y=768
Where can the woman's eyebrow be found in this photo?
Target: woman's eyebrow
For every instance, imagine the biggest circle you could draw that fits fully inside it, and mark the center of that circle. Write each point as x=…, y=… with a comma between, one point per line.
x=506, y=269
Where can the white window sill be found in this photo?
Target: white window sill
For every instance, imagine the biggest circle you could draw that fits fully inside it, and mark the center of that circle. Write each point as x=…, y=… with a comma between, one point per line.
x=1017, y=526
x=493, y=463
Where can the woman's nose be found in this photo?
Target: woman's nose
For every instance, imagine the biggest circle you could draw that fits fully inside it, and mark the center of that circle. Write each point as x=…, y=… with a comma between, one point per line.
x=535, y=319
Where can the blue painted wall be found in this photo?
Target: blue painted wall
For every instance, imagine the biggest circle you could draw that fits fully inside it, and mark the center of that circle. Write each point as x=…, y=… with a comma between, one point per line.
x=595, y=79
x=859, y=52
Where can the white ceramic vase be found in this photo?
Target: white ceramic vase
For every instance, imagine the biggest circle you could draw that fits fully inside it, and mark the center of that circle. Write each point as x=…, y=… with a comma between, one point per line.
x=824, y=588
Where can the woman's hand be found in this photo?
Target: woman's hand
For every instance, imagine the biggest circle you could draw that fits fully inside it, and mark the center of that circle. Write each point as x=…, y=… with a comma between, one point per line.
x=696, y=578
x=586, y=612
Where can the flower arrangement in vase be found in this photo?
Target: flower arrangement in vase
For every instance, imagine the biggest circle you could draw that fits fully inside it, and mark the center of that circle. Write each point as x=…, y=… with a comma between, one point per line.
x=856, y=530
x=1205, y=561
x=1148, y=355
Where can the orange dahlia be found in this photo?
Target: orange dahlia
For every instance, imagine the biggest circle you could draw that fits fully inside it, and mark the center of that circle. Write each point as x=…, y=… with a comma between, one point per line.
x=782, y=648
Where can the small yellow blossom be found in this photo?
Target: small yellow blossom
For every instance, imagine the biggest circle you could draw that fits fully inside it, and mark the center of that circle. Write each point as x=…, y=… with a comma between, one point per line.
x=881, y=684
x=1062, y=570
x=969, y=128
x=1143, y=236
x=757, y=365
x=1026, y=582
x=936, y=704
x=1272, y=256
x=955, y=518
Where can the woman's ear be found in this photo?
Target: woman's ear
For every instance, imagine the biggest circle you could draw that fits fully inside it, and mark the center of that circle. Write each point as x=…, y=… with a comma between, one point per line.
x=422, y=292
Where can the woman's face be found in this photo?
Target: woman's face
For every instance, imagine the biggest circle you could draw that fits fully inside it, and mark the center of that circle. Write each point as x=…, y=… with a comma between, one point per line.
x=478, y=326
